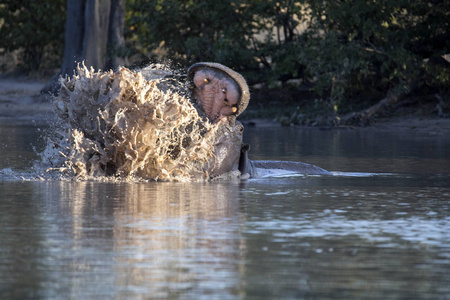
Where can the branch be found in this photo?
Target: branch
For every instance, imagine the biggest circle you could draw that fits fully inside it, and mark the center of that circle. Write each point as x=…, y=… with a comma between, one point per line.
x=363, y=117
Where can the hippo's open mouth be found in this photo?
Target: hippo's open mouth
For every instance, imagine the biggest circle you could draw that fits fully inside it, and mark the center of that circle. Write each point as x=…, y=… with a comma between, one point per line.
x=219, y=91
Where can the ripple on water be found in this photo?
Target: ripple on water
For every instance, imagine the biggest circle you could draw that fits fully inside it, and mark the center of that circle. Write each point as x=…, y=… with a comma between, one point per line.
x=387, y=233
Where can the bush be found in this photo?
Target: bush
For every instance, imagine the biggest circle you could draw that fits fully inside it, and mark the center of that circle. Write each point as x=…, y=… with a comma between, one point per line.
x=35, y=27
x=359, y=45
x=257, y=38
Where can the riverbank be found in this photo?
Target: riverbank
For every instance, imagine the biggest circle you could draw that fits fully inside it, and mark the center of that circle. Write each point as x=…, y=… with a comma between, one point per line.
x=21, y=100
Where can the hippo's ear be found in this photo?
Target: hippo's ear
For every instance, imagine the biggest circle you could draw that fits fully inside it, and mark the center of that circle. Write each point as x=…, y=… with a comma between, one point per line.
x=243, y=159
x=238, y=78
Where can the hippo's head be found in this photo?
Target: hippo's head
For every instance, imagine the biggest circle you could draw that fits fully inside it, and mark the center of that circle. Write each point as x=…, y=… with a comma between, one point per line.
x=219, y=91
x=222, y=94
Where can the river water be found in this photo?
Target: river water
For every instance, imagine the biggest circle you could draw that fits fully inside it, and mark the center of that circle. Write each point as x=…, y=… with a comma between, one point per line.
x=378, y=228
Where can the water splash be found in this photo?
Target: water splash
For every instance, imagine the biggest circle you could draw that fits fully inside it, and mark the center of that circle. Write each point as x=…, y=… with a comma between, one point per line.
x=126, y=125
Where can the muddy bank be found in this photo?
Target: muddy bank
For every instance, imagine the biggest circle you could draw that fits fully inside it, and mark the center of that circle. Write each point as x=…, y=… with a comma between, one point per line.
x=21, y=101
x=430, y=125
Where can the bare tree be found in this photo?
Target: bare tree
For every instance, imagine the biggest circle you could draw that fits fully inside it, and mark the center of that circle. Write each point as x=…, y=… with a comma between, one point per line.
x=93, y=33
x=116, y=40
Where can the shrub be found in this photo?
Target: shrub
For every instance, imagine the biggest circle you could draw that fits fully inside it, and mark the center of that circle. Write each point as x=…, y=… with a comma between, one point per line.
x=36, y=27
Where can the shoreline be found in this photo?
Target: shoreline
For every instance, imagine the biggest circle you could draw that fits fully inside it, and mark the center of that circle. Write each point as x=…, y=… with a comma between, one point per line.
x=22, y=102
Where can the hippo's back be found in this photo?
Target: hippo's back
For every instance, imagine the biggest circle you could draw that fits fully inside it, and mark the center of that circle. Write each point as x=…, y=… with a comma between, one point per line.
x=298, y=167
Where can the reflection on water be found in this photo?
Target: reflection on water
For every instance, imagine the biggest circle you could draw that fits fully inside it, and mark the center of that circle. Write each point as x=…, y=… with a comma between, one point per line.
x=353, y=241
x=383, y=236
x=156, y=239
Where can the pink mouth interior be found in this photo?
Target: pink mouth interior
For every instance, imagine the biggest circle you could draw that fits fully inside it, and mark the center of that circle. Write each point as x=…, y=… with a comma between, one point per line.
x=217, y=93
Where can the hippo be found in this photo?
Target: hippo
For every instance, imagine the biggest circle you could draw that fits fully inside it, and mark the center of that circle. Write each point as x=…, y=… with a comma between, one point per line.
x=222, y=95
x=152, y=124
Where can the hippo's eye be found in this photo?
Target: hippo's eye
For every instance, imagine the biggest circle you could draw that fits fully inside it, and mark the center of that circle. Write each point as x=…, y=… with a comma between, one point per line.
x=206, y=80
x=224, y=90
x=234, y=109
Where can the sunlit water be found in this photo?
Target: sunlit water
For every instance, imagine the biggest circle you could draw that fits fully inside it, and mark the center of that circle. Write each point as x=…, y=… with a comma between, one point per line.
x=378, y=228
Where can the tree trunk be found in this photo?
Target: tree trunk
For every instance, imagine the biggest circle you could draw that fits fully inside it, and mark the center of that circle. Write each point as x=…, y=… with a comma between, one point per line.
x=363, y=117
x=74, y=34
x=116, y=40
x=92, y=26
x=96, y=20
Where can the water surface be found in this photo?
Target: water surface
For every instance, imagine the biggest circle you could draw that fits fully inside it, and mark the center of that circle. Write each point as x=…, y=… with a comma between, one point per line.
x=357, y=235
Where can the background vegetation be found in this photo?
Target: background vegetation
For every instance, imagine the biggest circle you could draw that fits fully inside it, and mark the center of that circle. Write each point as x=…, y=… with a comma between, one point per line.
x=327, y=62
x=34, y=31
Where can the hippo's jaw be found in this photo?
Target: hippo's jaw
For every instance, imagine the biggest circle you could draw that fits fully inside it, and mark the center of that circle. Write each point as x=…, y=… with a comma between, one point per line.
x=227, y=149
x=216, y=93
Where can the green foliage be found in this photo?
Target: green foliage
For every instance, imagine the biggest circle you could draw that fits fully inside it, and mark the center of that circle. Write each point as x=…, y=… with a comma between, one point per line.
x=258, y=38
x=277, y=38
x=355, y=44
x=189, y=31
x=341, y=47
x=36, y=27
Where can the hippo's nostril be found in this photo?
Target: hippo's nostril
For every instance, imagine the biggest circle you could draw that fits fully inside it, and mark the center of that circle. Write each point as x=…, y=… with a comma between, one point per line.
x=225, y=100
